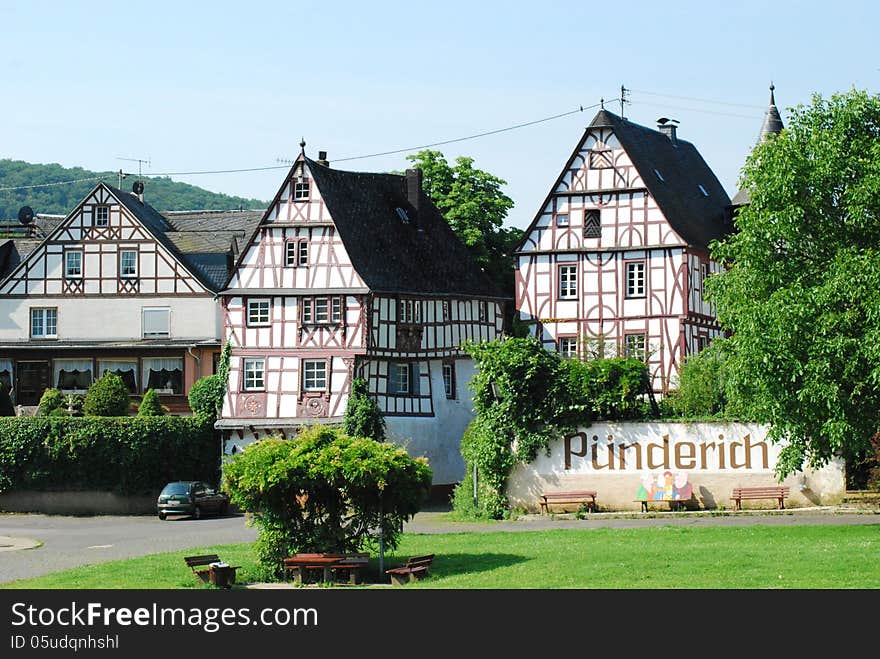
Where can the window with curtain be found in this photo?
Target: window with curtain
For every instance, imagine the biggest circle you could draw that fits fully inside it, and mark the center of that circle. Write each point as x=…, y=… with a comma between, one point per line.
x=72, y=374
x=124, y=368
x=165, y=375
x=6, y=373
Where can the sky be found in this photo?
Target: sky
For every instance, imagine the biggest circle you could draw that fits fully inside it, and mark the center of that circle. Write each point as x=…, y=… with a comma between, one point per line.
x=206, y=86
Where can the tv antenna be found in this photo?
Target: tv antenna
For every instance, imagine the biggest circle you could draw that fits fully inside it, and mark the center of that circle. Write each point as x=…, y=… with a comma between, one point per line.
x=139, y=161
x=284, y=161
x=623, y=100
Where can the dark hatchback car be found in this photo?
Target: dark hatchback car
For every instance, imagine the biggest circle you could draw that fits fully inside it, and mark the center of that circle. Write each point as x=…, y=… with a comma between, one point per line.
x=193, y=498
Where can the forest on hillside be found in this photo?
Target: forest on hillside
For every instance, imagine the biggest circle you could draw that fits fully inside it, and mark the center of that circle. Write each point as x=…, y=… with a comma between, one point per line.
x=160, y=192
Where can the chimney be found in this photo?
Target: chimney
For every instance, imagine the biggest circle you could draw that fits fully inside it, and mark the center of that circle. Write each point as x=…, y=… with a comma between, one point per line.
x=667, y=127
x=322, y=158
x=413, y=187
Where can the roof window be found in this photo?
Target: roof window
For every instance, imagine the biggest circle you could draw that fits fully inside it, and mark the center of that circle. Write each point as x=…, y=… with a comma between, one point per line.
x=659, y=175
x=703, y=190
x=401, y=213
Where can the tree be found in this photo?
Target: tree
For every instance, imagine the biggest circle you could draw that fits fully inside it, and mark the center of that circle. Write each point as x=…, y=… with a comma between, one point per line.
x=473, y=204
x=801, y=287
x=150, y=405
x=325, y=491
x=107, y=396
x=363, y=418
x=206, y=395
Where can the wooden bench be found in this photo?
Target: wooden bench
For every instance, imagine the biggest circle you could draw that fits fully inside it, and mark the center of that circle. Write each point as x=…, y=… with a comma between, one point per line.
x=778, y=492
x=352, y=564
x=562, y=498
x=201, y=566
x=674, y=504
x=415, y=567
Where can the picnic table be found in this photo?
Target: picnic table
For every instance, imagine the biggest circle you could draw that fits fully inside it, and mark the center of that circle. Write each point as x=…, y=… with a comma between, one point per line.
x=300, y=564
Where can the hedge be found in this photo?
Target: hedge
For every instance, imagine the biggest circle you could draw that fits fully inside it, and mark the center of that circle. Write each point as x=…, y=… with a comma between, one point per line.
x=125, y=455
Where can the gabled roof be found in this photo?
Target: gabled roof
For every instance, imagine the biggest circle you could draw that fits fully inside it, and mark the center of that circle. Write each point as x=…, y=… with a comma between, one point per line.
x=420, y=255
x=698, y=218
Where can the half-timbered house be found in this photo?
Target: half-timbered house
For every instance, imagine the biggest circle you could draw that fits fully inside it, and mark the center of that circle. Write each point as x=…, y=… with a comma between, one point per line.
x=115, y=286
x=354, y=274
x=618, y=252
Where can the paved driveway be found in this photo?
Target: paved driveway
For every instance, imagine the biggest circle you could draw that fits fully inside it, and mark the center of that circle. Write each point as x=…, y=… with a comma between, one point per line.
x=73, y=541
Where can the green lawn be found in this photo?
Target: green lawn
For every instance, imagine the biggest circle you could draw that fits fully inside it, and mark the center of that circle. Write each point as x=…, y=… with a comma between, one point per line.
x=660, y=557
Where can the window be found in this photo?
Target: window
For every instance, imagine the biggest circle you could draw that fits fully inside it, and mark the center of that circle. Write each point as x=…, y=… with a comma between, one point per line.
x=335, y=309
x=401, y=213
x=72, y=374
x=562, y=220
x=306, y=310
x=600, y=159
x=445, y=310
x=102, y=216
x=301, y=189
x=314, y=375
x=483, y=311
x=399, y=378
x=568, y=282
x=659, y=175
x=410, y=311
x=164, y=375
x=44, y=323
x=592, y=224
x=567, y=346
x=635, y=279
x=296, y=253
x=254, y=374
x=703, y=190
x=704, y=273
x=449, y=379
x=73, y=263
x=157, y=322
x=124, y=368
x=128, y=263
x=258, y=312
x=321, y=310
x=634, y=346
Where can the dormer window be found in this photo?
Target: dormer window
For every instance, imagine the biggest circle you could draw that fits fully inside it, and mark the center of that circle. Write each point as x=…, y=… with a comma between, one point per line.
x=102, y=216
x=301, y=189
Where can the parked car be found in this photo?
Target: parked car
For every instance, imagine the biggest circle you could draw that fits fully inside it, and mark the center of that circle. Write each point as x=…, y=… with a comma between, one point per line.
x=192, y=498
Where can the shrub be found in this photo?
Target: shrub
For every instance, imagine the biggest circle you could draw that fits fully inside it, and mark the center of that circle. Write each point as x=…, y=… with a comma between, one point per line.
x=6, y=406
x=206, y=396
x=700, y=390
x=325, y=491
x=108, y=396
x=52, y=399
x=127, y=455
x=363, y=418
x=150, y=405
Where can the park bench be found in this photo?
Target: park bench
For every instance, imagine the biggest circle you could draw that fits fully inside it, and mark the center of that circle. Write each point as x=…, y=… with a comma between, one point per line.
x=778, y=492
x=352, y=563
x=210, y=569
x=415, y=567
x=580, y=499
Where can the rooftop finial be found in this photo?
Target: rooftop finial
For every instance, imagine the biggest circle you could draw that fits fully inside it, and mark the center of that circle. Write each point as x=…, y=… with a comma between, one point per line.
x=602, y=103
x=772, y=99
x=302, y=144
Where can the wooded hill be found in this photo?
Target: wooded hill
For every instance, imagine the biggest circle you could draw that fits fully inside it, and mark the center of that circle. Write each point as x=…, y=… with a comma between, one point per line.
x=161, y=192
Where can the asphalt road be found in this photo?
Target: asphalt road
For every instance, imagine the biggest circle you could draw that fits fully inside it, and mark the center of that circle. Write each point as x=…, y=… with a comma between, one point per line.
x=73, y=541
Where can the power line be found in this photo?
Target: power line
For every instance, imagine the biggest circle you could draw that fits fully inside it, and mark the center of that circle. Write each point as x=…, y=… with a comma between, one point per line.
x=700, y=100
x=345, y=159
x=693, y=109
x=46, y=185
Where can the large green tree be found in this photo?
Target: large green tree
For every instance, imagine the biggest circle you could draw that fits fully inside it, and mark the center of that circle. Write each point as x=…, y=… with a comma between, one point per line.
x=473, y=203
x=801, y=287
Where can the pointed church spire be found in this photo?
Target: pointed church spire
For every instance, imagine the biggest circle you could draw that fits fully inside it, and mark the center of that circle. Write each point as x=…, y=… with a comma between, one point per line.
x=772, y=121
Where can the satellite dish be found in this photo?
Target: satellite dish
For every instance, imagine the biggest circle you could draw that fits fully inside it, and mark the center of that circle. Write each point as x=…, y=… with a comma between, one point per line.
x=137, y=187
x=26, y=215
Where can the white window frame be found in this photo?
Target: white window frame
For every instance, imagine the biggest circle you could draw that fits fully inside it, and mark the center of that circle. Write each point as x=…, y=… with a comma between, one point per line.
x=483, y=311
x=641, y=349
x=567, y=346
x=445, y=311
x=67, y=254
x=568, y=281
x=400, y=373
x=99, y=221
x=43, y=314
x=122, y=273
x=336, y=309
x=410, y=311
x=155, y=335
x=448, y=371
x=259, y=311
x=253, y=374
x=635, y=279
x=291, y=250
x=301, y=190
x=563, y=223
x=321, y=310
x=302, y=253
x=315, y=375
x=306, y=313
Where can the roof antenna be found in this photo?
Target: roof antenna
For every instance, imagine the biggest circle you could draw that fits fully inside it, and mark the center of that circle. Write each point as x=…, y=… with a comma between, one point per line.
x=623, y=100
x=302, y=145
x=140, y=162
x=602, y=103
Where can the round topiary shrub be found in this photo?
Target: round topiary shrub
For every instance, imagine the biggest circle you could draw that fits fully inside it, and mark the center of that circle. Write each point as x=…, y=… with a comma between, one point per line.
x=108, y=396
x=150, y=405
x=51, y=400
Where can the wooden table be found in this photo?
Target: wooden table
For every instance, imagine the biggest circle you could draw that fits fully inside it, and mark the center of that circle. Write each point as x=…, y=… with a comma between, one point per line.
x=301, y=562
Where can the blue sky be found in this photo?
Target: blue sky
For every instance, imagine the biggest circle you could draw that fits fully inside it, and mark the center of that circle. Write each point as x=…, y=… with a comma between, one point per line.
x=195, y=86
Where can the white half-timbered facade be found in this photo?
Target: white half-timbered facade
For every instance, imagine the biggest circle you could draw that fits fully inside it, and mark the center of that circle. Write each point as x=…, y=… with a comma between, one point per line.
x=355, y=275
x=618, y=253
x=114, y=286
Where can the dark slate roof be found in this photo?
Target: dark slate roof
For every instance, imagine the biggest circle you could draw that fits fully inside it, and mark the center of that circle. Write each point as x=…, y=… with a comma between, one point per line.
x=772, y=125
x=696, y=217
x=215, y=220
x=421, y=256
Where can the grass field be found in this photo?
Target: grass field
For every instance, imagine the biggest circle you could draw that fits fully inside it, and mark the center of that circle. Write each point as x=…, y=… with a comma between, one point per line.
x=754, y=557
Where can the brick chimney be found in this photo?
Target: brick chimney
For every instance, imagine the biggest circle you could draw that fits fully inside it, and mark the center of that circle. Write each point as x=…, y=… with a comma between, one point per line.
x=413, y=187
